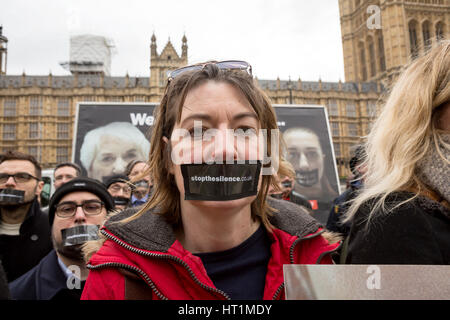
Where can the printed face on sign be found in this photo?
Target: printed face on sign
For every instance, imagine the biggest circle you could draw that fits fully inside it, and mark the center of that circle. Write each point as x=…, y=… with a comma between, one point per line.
x=217, y=126
x=113, y=156
x=107, y=150
x=305, y=154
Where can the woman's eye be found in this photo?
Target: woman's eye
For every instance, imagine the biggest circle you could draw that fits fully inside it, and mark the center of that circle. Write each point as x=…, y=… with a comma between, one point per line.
x=195, y=132
x=245, y=131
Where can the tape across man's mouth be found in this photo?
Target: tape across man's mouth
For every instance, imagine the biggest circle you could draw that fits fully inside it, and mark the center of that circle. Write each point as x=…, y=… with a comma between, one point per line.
x=11, y=196
x=307, y=178
x=121, y=201
x=221, y=182
x=79, y=234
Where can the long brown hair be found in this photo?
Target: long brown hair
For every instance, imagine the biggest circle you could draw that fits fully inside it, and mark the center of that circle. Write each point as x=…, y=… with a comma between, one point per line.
x=165, y=199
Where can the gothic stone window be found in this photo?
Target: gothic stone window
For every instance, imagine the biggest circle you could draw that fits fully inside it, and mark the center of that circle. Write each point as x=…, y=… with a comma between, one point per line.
x=426, y=35
x=62, y=154
x=412, y=26
x=35, y=130
x=62, y=131
x=382, y=60
x=372, y=60
x=9, y=107
x=9, y=131
x=352, y=129
x=335, y=129
x=36, y=106
x=371, y=108
x=63, y=107
x=337, y=149
x=350, y=110
x=439, y=31
x=362, y=57
x=333, y=109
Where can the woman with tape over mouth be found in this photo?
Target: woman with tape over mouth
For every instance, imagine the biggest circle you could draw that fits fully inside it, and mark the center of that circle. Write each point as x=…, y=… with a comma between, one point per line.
x=209, y=230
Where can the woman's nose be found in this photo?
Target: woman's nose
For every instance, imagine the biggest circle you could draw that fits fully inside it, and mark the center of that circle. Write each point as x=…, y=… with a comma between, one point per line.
x=220, y=146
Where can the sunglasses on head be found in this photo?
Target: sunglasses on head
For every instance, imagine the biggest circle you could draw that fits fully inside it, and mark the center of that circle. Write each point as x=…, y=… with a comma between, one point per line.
x=223, y=65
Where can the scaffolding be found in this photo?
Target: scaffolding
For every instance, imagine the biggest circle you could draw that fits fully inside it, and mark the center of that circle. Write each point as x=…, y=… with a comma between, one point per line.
x=90, y=54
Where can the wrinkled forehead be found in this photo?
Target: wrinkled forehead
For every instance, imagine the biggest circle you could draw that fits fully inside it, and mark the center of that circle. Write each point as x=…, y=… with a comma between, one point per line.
x=110, y=139
x=215, y=100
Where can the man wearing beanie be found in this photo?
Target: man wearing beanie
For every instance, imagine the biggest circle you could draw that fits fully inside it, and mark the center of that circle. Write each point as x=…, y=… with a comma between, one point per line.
x=76, y=210
x=120, y=189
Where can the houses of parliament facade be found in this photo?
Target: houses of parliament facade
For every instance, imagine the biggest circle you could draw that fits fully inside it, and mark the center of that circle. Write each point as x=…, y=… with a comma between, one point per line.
x=37, y=113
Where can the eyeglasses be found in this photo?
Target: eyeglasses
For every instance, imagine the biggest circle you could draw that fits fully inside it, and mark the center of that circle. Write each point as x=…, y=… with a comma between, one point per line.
x=19, y=177
x=223, y=65
x=117, y=188
x=69, y=208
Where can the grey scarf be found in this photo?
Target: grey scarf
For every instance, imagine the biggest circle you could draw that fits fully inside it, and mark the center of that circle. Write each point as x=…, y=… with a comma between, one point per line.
x=434, y=171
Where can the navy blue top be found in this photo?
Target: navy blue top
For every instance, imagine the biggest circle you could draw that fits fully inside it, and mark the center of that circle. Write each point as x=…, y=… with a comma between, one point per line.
x=241, y=271
x=46, y=281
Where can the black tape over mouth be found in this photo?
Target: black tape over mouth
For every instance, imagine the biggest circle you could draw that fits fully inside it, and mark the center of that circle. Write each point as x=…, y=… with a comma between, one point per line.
x=79, y=234
x=307, y=178
x=11, y=196
x=121, y=201
x=221, y=182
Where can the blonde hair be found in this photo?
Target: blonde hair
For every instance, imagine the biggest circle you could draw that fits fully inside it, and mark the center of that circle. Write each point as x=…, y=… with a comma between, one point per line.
x=405, y=131
x=166, y=197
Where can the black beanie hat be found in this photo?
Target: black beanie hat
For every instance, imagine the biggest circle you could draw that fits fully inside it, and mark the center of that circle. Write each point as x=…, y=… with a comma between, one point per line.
x=116, y=178
x=80, y=184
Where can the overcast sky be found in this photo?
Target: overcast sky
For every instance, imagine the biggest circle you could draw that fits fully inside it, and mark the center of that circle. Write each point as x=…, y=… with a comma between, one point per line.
x=279, y=38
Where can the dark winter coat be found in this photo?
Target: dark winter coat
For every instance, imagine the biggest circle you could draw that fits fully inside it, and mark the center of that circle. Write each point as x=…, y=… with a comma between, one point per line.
x=417, y=232
x=340, y=207
x=21, y=253
x=46, y=281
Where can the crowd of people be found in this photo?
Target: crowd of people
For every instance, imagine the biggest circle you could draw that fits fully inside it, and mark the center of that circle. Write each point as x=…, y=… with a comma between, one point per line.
x=158, y=229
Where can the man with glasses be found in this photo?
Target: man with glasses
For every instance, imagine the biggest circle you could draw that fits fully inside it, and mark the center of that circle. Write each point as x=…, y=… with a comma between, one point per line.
x=24, y=230
x=76, y=211
x=141, y=186
x=119, y=188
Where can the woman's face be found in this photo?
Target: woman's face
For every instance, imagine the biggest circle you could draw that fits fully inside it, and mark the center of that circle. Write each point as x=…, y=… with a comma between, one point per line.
x=230, y=129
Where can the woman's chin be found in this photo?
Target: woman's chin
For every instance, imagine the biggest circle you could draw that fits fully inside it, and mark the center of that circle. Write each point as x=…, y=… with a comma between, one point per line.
x=223, y=205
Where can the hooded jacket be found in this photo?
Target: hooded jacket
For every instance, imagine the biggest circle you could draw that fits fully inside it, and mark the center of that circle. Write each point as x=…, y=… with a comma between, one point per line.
x=143, y=260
